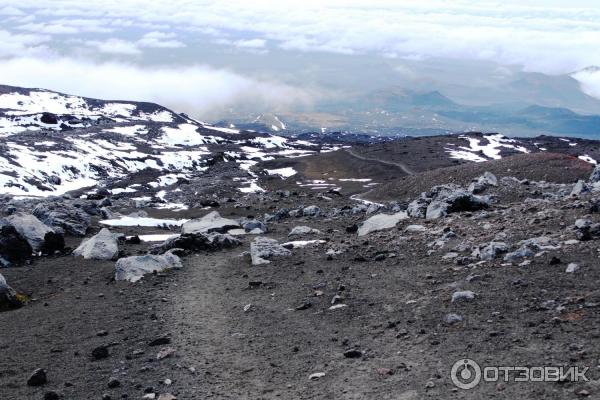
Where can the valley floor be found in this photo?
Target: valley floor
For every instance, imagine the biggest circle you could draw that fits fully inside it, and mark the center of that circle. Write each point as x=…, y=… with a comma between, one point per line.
x=243, y=332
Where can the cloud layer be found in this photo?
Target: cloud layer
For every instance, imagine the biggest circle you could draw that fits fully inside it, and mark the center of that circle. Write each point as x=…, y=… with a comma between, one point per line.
x=197, y=90
x=546, y=36
x=541, y=36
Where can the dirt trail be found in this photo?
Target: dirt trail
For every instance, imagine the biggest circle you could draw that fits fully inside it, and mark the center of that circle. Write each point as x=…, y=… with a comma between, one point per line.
x=402, y=166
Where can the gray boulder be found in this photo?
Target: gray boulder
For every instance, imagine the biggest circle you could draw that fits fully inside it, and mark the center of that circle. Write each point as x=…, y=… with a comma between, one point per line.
x=373, y=208
x=40, y=236
x=580, y=188
x=134, y=268
x=311, y=211
x=520, y=253
x=490, y=251
x=437, y=209
x=63, y=216
x=280, y=214
x=303, y=230
x=211, y=222
x=483, y=182
x=380, y=222
x=102, y=246
x=595, y=176
x=263, y=249
x=417, y=208
x=253, y=224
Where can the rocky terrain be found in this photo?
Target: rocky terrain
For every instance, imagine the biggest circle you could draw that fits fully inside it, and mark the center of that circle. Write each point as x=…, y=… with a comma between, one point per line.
x=148, y=255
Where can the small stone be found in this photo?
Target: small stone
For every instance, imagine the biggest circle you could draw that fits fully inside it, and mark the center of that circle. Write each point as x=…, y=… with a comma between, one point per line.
x=572, y=267
x=384, y=371
x=304, y=306
x=113, y=383
x=452, y=318
x=167, y=396
x=38, y=378
x=100, y=353
x=51, y=395
x=165, y=352
x=465, y=295
x=555, y=261
x=353, y=353
x=430, y=385
x=161, y=341
x=316, y=376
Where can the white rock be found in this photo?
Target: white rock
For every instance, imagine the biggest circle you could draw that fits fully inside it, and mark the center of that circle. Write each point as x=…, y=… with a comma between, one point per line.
x=211, y=222
x=262, y=249
x=572, y=267
x=316, y=376
x=380, y=222
x=466, y=295
x=102, y=246
x=132, y=269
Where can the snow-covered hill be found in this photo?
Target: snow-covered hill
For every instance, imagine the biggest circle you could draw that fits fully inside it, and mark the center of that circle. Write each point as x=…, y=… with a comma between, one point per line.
x=53, y=143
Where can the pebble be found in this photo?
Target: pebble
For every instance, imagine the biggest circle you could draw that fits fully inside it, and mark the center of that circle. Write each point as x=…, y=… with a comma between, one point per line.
x=353, y=353
x=452, y=318
x=38, y=378
x=100, y=352
x=161, y=341
x=165, y=352
x=572, y=267
x=51, y=395
x=113, y=383
x=316, y=376
x=465, y=295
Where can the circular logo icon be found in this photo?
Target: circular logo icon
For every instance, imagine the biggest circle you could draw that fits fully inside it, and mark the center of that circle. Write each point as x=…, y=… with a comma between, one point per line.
x=466, y=374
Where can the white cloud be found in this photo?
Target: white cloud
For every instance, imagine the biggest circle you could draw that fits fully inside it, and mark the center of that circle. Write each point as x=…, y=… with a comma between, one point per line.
x=160, y=40
x=590, y=81
x=13, y=45
x=198, y=90
x=11, y=11
x=115, y=46
x=250, y=43
x=545, y=36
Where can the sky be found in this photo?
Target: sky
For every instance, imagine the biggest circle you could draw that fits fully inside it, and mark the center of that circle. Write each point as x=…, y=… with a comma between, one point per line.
x=203, y=57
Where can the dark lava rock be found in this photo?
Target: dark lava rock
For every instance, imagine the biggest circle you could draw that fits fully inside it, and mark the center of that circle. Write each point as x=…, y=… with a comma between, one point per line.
x=209, y=203
x=100, y=352
x=52, y=395
x=71, y=219
x=353, y=353
x=133, y=240
x=53, y=242
x=352, y=228
x=113, y=383
x=99, y=194
x=161, y=341
x=38, y=378
x=49, y=118
x=197, y=242
x=14, y=249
